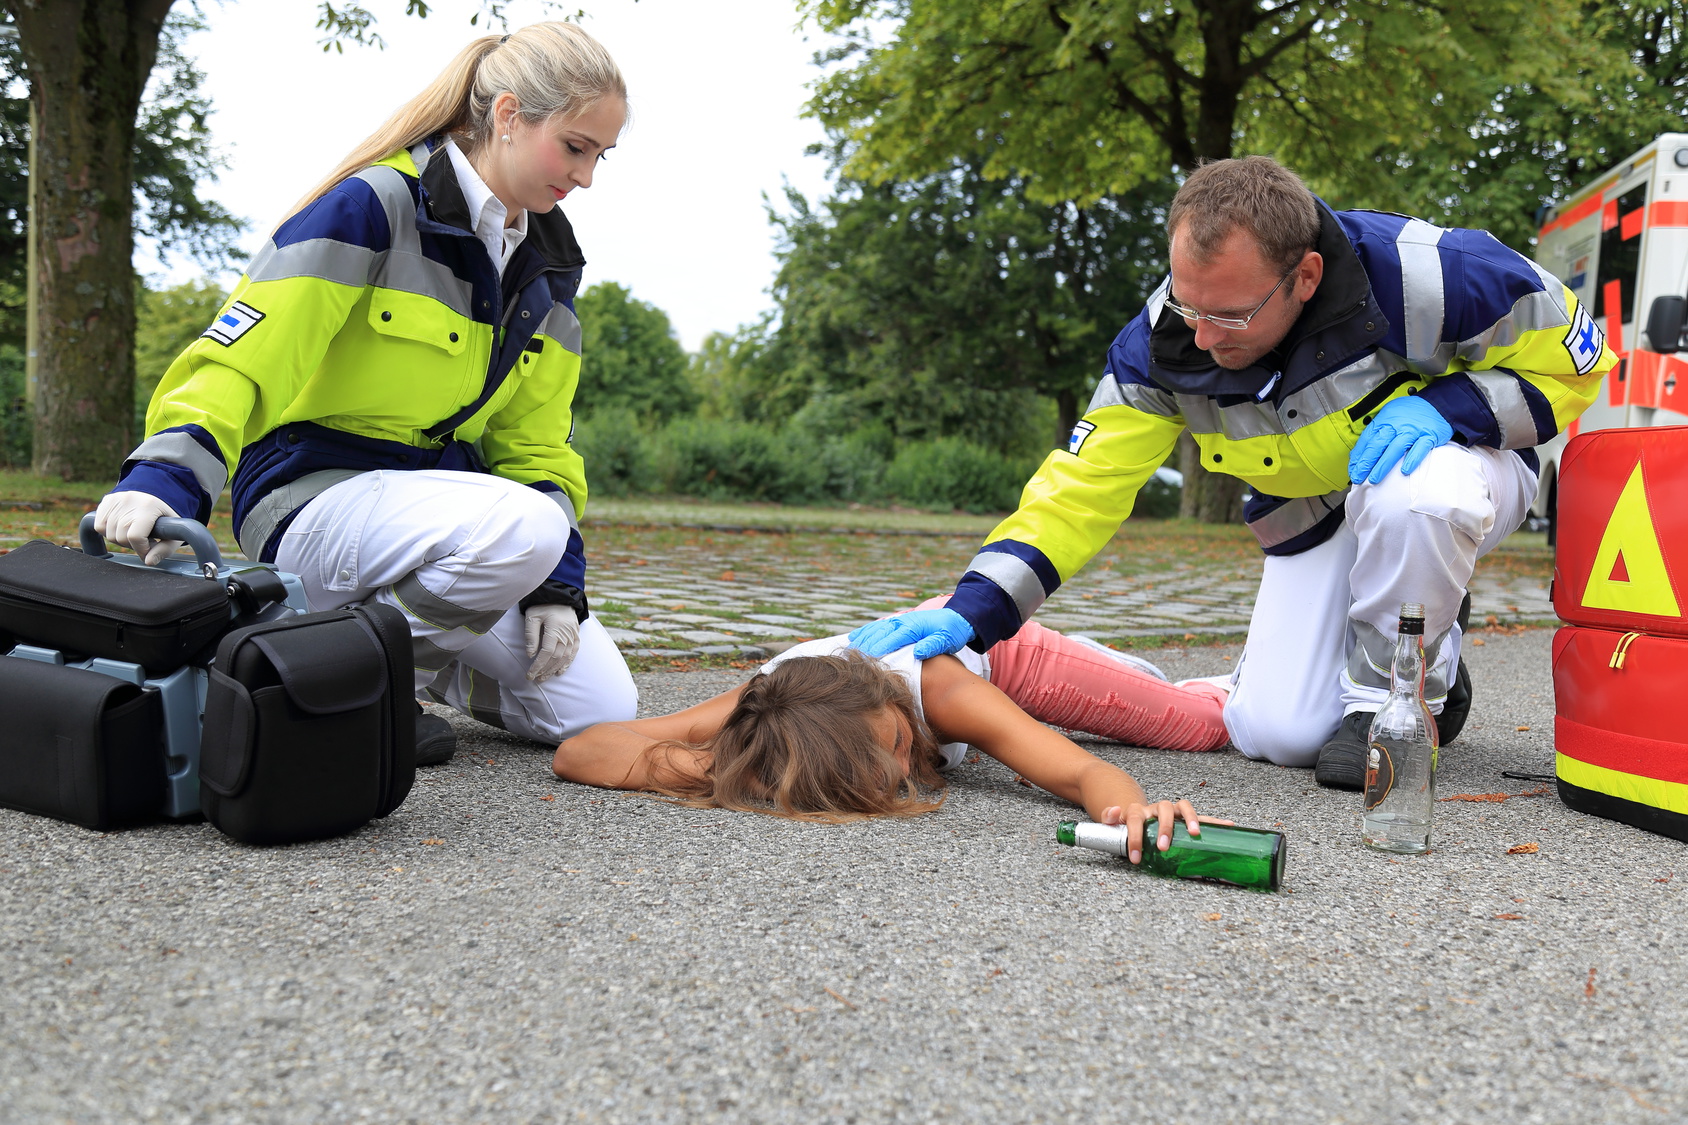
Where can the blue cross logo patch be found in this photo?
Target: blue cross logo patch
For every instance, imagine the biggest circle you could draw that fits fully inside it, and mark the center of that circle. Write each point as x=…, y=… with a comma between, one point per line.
x=233, y=323
x=1584, y=341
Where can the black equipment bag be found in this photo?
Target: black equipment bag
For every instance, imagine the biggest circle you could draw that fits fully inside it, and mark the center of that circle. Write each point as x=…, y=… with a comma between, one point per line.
x=64, y=599
x=310, y=725
x=79, y=746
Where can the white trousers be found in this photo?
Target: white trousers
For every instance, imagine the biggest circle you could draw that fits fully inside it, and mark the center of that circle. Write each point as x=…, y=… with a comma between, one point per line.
x=1322, y=636
x=455, y=552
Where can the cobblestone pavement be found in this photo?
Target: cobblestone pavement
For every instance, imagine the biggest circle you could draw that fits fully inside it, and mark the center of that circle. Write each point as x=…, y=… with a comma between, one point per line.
x=679, y=593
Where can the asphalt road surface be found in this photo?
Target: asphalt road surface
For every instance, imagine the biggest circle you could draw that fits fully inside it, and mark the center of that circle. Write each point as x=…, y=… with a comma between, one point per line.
x=507, y=947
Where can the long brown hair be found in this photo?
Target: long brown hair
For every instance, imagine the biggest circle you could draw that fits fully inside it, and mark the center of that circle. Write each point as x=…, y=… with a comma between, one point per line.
x=800, y=744
x=553, y=69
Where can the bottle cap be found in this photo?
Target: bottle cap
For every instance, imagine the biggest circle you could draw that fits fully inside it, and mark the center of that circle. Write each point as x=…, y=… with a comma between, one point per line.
x=1412, y=619
x=1067, y=833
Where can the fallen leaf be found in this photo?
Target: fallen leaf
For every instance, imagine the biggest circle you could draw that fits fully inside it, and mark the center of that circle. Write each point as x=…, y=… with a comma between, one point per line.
x=1491, y=619
x=632, y=937
x=1667, y=878
x=1510, y=917
x=1213, y=917
x=1024, y=782
x=640, y=562
x=1478, y=641
x=549, y=797
x=1494, y=796
x=728, y=576
x=1522, y=728
x=1588, y=989
x=1523, y=849
x=433, y=841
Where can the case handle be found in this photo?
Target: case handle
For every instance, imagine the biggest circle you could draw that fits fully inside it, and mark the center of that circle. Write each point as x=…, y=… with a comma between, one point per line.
x=191, y=532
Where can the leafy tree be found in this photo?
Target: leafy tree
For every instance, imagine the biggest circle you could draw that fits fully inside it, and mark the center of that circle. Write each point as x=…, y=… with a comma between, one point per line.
x=1536, y=146
x=1091, y=98
x=632, y=359
x=951, y=305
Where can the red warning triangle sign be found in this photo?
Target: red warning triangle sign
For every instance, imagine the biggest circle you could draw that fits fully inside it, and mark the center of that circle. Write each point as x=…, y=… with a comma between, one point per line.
x=1620, y=572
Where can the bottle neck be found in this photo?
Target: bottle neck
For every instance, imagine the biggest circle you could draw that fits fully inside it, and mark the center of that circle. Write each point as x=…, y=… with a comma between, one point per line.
x=1406, y=675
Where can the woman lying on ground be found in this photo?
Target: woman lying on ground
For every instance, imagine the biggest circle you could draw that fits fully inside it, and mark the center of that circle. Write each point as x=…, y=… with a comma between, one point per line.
x=825, y=733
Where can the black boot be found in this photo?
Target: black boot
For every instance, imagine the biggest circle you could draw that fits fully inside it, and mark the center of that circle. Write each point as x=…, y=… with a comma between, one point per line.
x=1452, y=719
x=436, y=739
x=1342, y=760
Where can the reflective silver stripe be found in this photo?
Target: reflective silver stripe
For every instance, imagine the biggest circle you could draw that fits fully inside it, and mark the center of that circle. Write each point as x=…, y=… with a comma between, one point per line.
x=1374, y=654
x=562, y=326
x=1157, y=300
x=429, y=656
x=485, y=699
x=1016, y=578
x=1204, y=415
x=404, y=266
x=1421, y=286
x=1530, y=313
x=266, y=515
x=431, y=609
x=1512, y=412
x=1295, y=517
x=325, y=258
x=180, y=449
x=561, y=499
x=412, y=273
x=1150, y=400
x=1339, y=390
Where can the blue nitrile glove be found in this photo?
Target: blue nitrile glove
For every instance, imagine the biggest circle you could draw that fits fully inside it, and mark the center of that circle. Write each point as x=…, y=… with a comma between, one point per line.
x=1405, y=430
x=932, y=632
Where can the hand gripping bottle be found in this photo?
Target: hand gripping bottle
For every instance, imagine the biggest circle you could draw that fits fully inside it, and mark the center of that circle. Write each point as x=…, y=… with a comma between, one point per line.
x=1244, y=857
x=1401, y=758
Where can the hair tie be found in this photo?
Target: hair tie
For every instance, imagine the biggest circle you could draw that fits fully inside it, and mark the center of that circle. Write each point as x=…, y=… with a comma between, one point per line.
x=503, y=41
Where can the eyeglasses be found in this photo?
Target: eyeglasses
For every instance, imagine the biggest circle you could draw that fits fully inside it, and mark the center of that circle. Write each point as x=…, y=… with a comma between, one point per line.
x=1235, y=323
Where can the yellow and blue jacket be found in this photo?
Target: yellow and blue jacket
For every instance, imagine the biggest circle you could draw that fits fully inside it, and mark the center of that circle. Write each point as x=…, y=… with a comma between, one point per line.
x=1502, y=349
x=374, y=331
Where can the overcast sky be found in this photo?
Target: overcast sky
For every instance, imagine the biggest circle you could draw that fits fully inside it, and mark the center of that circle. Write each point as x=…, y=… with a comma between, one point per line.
x=675, y=213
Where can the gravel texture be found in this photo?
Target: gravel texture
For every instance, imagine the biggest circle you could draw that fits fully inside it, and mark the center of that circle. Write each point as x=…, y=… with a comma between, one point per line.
x=507, y=947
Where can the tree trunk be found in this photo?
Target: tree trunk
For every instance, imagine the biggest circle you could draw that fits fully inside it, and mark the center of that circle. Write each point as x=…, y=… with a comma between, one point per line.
x=1216, y=498
x=1066, y=416
x=88, y=63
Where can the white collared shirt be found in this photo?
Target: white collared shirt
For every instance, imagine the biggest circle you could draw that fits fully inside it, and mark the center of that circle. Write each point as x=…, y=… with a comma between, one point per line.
x=487, y=211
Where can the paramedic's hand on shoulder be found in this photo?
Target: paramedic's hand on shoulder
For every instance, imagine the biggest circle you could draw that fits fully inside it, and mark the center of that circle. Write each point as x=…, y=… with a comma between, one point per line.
x=932, y=632
x=1405, y=430
x=128, y=518
x=553, y=640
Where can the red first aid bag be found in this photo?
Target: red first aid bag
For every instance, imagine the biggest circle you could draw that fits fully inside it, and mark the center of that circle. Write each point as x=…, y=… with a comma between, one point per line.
x=1620, y=665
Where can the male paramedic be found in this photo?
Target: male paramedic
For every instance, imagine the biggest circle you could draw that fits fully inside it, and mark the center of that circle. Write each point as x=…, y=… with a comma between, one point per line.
x=1376, y=381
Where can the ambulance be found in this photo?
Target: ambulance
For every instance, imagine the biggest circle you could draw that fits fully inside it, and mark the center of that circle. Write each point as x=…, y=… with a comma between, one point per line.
x=1621, y=245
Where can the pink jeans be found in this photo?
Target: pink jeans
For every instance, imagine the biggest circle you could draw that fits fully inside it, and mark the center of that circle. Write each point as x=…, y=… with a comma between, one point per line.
x=1058, y=681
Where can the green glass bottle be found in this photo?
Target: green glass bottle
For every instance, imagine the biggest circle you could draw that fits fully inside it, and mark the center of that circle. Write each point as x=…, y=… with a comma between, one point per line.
x=1243, y=857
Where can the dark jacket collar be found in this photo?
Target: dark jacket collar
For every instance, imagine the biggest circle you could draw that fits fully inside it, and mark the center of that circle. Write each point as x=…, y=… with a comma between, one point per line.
x=549, y=232
x=1339, y=323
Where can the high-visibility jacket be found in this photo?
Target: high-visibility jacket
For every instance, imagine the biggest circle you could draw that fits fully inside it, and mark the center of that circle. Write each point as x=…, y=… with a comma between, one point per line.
x=374, y=331
x=1502, y=349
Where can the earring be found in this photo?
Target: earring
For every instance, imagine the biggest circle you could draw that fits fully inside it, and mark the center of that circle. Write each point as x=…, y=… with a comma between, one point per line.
x=505, y=138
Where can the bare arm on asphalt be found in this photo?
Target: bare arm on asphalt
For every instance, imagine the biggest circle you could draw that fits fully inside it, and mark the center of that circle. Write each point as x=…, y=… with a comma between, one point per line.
x=617, y=755
x=963, y=707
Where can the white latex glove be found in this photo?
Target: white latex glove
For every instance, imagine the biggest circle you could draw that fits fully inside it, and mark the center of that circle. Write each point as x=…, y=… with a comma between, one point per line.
x=553, y=639
x=128, y=518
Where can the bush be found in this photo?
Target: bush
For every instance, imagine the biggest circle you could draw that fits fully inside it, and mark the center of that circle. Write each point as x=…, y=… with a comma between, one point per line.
x=617, y=451
x=952, y=473
x=16, y=431
x=722, y=460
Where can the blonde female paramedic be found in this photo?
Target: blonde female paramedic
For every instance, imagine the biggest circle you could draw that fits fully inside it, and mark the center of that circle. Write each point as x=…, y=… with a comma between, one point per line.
x=389, y=391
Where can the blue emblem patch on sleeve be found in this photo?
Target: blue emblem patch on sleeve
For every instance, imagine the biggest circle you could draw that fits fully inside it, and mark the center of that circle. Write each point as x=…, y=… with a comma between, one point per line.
x=1584, y=341
x=233, y=323
x=1080, y=432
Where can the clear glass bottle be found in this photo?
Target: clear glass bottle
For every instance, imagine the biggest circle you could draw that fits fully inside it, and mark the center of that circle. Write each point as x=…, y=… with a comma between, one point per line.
x=1243, y=857
x=1401, y=759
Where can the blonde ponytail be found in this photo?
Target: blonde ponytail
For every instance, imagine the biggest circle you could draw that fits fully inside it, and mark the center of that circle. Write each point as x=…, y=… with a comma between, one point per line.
x=553, y=69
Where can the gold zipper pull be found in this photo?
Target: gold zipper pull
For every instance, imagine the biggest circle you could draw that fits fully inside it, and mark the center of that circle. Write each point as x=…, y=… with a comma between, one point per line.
x=1622, y=651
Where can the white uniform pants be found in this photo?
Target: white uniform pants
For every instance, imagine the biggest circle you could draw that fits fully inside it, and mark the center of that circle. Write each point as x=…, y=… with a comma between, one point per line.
x=1322, y=636
x=455, y=552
